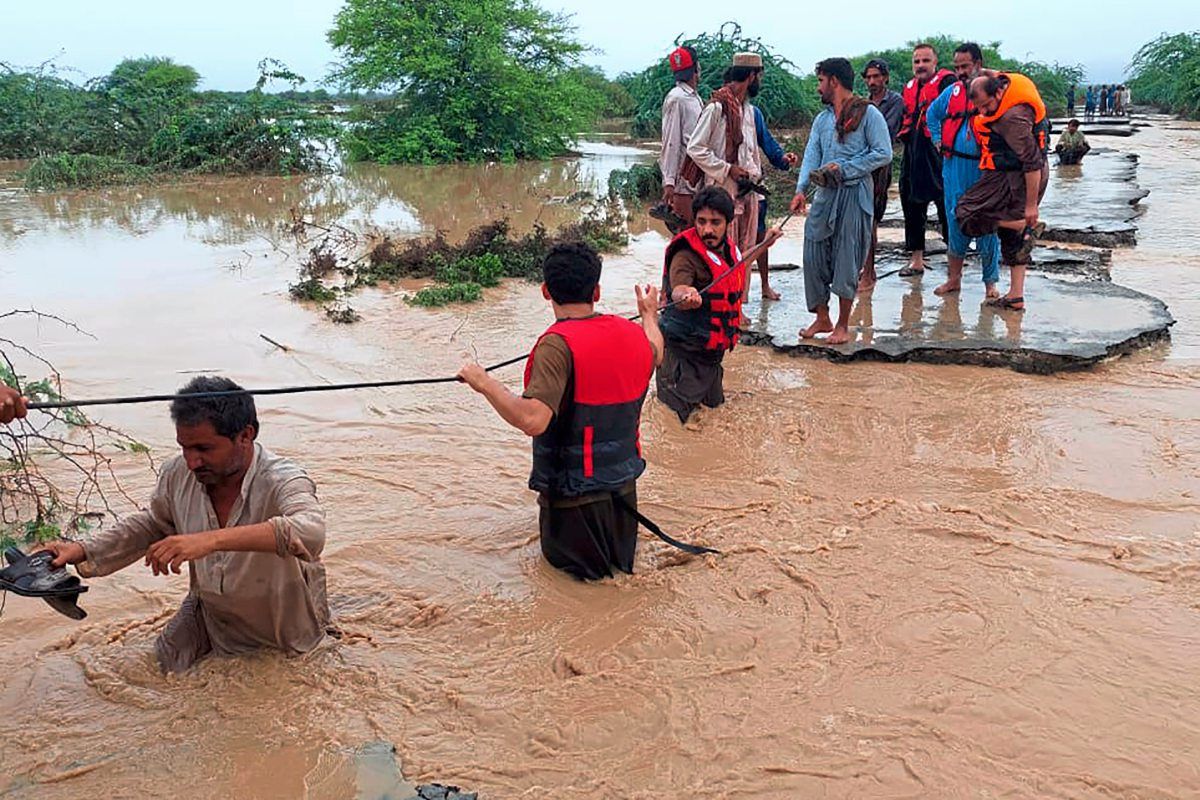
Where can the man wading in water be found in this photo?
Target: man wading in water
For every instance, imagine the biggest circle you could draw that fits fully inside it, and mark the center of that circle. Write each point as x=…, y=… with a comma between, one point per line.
x=702, y=326
x=585, y=383
x=246, y=521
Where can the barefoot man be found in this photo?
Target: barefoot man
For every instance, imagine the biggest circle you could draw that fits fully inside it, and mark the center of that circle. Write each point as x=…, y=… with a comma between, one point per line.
x=849, y=140
x=1013, y=134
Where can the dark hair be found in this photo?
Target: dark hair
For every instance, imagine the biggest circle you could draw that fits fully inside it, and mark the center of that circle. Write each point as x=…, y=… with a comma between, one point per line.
x=229, y=415
x=1073, y=121
x=571, y=271
x=686, y=75
x=992, y=85
x=925, y=46
x=739, y=74
x=879, y=64
x=839, y=69
x=713, y=198
x=971, y=49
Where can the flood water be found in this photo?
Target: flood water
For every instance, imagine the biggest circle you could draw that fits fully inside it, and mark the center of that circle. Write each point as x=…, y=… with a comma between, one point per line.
x=936, y=582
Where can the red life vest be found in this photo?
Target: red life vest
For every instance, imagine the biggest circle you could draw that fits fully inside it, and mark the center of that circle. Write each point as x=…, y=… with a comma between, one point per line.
x=714, y=325
x=917, y=100
x=594, y=443
x=960, y=110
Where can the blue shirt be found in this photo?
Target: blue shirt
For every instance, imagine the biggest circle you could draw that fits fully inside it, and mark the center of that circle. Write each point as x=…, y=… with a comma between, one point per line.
x=964, y=141
x=767, y=143
x=864, y=150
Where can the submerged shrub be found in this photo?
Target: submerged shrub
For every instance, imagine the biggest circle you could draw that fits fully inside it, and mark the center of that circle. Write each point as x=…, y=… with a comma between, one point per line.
x=83, y=171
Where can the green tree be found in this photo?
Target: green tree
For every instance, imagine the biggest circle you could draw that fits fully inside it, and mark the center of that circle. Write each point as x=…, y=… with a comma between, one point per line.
x=1166, y=72
x=472, y=80
x=786, y=99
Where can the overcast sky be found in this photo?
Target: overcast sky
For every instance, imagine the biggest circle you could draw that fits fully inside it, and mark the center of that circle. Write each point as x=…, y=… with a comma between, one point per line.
x=225, y=39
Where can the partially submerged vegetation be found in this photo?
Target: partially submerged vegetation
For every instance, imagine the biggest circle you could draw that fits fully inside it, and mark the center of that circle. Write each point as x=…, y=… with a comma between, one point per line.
x=1166, y=73
x=147, y=118
x=338, y=265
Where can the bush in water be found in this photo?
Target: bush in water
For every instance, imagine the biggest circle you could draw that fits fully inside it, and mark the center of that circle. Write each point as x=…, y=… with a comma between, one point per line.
x=1166, y=73
x=474, y=80
x=84, y=171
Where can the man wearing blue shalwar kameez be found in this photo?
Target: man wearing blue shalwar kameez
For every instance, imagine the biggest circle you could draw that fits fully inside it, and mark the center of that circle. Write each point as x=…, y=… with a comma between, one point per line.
x=848, y=141
x=960, y=170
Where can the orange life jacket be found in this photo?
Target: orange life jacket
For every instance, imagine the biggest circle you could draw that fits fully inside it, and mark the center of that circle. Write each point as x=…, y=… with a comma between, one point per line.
x=917, y=99
x=714, y=325
x=959, y=110
x=994, y=152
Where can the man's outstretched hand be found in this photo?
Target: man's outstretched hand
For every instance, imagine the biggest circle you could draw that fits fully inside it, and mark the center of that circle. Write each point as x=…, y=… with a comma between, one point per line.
x=170, y=554
x=64, y=552
x=12, y=404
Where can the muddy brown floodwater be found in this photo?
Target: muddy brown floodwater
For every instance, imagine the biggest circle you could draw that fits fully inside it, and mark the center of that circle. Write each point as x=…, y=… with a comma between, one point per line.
x=936, y=581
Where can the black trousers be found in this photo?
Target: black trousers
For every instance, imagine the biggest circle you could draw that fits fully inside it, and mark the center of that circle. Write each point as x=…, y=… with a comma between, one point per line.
x=915, y=216
x=592, y=539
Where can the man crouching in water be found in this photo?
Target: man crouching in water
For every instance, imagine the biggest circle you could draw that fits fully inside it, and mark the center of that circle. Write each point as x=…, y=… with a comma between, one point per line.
x=246, y=521
x=704, y=275
x=585, y=383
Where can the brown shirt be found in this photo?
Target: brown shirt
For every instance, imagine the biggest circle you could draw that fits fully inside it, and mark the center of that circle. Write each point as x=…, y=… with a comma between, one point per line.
x=1016, y=128
x=248, y=600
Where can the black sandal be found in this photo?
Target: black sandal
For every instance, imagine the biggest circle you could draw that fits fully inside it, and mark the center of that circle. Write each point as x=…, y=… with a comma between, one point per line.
x=909, y=272
x=36, y=576
x=1006, y=303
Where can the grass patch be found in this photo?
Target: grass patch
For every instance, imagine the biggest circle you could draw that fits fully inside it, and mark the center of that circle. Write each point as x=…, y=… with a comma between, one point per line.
x=82, y=171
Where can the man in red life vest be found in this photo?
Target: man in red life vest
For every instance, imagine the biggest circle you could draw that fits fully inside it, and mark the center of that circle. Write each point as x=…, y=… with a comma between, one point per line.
x=921, y=168
x=585, y=383
x=704, y=276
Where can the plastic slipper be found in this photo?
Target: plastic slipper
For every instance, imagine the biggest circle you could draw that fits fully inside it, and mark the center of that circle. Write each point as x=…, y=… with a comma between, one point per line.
x=909, y=272
x=36, y=576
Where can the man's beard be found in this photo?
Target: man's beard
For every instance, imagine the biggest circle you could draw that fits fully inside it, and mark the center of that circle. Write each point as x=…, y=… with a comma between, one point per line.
x=711, y=240
x=754, y=88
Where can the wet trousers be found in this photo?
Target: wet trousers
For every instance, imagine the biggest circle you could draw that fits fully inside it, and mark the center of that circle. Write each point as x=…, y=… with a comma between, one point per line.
x=687, y=379
x=592, y=539
x=958, y=175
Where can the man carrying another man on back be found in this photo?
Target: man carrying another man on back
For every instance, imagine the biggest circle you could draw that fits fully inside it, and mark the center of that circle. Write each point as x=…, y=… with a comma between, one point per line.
x=1013, y=132
x=951, y=125
x=246, y=521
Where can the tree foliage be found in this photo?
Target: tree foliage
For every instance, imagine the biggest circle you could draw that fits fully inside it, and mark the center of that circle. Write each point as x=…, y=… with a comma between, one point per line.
x=785, y=99
x=1166, y=72
x=472, y=80
x=1052, y=80
x=145, y=117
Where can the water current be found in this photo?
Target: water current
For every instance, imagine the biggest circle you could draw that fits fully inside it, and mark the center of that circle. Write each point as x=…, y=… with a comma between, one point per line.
x=936, y=582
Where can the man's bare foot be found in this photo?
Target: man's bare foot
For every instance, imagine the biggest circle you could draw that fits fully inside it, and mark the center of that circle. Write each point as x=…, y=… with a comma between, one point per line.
x=770, y=294
x=992, y=291
x=819, y=326
x=839, y=336
x=743, y=322
x=949, y=287
x=866, y=282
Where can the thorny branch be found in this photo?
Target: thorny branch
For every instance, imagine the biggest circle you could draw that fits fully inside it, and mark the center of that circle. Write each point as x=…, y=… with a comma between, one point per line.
x=57, y=467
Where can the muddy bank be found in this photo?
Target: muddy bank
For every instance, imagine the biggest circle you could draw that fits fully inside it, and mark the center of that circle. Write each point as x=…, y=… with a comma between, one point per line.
x=937, y=581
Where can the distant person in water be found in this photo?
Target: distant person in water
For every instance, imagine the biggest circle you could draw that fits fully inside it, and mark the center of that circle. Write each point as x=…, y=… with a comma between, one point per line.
x=1105, y=94
x=246, y=522
x=1013, y=131
x=1071, y=101
x=704, y=277
x=1118, y=101
x=1127, y=100
x=1089, y=108
x=1072, y=144
x=876, y=75
x=849, y=141
x=781, y=161
x=585, y=382
x=681, y=110
x=12, y=405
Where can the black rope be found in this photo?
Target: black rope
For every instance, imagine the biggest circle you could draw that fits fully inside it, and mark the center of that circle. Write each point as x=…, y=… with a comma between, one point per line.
x=337, y=387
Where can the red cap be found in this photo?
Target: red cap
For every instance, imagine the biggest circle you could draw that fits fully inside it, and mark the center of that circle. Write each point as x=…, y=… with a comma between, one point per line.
x=680, y=59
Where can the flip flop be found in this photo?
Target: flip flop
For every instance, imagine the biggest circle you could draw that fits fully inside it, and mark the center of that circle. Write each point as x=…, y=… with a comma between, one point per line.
x=909, y=272
x=1010, y=303
x=1029, y=239
x=36, y=576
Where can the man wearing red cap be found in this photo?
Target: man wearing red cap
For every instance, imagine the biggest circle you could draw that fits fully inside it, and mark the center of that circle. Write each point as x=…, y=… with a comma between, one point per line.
x=680, y=112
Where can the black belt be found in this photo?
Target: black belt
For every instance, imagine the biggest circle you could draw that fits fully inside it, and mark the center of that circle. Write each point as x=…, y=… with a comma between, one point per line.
x=694, y=549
